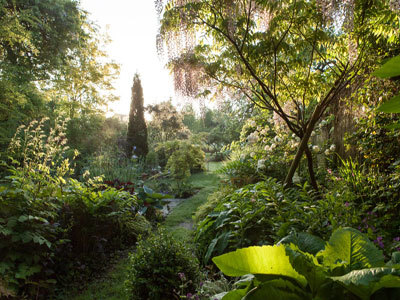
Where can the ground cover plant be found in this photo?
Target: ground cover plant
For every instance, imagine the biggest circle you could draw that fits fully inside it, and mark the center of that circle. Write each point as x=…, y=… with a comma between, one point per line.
x=262, y=213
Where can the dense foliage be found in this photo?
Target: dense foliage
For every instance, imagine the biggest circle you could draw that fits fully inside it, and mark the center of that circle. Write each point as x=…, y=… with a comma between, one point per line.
x=158, y=267
x=348, y=266
x=48, y=220
x=51, y=62
x=302, y=117
x=294, y=58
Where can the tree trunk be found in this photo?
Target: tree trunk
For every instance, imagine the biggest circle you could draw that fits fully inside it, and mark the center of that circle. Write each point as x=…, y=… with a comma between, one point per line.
x=311, y=169
x=303, y=145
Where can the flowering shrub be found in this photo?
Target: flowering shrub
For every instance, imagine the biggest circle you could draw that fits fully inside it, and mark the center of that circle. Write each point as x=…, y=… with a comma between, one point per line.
x=373, y=197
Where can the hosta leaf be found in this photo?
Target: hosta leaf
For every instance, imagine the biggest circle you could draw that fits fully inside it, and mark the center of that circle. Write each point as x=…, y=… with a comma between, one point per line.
x=364, y=283
x=390, y=69
x=308, y=266
x=148, y=190
x=267, y=260
x=391, y=106
x=143, y=210
x=353, y=249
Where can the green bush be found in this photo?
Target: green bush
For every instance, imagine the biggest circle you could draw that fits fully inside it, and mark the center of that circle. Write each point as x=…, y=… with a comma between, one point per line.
x=264, y=212
x=241, y=172
x=51, y=224
x=152, y=160
x=184, y=158
x=112, y=163
x=373, y=196
x=180, y=157
x=157, y=266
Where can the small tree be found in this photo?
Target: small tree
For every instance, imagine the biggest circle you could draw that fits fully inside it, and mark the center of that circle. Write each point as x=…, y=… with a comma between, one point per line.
x=292, y=57
x=137, y=131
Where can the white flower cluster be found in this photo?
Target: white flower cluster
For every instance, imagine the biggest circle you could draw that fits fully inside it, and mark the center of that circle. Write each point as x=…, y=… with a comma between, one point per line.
x=293, y=144
x=316, y=148
x=330, y=150
x=269, y=148
x=261, y=164
x=253, y=137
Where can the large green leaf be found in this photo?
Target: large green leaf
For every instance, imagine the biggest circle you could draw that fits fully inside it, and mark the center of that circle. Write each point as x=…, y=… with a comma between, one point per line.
x=277, y=289
x=237, y=294
x=391, y=106
x=307, y=265
x=353, y=249
x=364, y=283
x=305, y=241
x=217, y=245
x=267, y=260
x=389, y=69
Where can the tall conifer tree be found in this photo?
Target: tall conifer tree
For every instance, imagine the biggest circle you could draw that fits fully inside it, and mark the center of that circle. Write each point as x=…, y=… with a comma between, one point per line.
x=137, y=130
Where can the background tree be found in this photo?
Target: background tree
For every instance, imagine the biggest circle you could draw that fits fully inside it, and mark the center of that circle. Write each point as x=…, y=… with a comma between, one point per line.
x=36, y=38
x=137, y=129
x=166, y=123
x=51, y=64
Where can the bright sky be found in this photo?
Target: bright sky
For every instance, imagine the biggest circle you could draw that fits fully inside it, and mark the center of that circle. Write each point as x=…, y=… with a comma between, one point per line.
x=132, y=26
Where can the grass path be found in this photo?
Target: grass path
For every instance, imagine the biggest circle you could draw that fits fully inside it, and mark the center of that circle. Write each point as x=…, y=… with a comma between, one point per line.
x=182, y=214
x=111, y=286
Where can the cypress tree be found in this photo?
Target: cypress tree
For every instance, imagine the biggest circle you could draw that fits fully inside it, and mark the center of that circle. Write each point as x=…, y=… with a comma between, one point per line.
x=137, y=130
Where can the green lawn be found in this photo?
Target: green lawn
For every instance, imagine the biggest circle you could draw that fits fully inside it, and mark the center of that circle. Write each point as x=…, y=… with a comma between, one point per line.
x=111, y=286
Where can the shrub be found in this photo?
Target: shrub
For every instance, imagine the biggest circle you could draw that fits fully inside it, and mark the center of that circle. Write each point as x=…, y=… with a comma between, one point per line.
x=241, y=172
x=180, y=157
x=373, y=195
x=183, y=159
x=157, y=266
x=152, y=160
x=50, y=224
x=264, y=212
x=111, y=163
x=212, y=201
